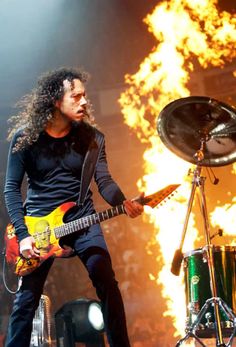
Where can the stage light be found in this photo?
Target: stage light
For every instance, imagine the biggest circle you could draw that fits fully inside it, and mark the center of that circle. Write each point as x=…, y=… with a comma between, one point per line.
x=95, y=316
x=80, y=320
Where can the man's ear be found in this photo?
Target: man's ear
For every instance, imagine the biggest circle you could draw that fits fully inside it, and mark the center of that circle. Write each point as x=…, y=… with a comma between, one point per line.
x=58, y=103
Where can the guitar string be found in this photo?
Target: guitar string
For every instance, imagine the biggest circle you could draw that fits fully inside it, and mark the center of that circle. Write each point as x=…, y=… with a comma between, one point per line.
x=85, y=221
x=82, y=223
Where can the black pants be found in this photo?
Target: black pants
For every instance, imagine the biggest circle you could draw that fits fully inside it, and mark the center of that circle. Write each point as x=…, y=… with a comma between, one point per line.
x=91, y=249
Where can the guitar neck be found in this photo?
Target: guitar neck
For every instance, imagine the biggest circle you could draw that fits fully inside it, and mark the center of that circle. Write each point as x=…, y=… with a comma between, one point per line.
x=85, y=222
x=82, y=223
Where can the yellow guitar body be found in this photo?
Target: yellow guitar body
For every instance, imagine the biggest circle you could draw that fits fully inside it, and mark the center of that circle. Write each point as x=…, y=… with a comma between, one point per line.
x=42, y=229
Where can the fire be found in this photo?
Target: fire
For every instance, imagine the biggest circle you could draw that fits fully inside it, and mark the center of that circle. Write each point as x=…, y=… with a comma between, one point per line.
x=224, y=217
x=183, y=29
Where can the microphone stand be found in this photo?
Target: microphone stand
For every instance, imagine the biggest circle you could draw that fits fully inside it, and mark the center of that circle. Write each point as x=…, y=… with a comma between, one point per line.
x=215, y=301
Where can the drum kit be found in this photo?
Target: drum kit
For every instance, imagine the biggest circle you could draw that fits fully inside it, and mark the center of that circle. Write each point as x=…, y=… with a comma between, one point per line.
x=202, y=131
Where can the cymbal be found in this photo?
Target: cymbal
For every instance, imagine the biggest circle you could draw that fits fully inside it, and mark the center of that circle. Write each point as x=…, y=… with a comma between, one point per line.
x=199, y=123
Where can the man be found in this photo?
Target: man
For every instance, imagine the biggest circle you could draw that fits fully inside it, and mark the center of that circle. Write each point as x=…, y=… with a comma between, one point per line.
x=55, y=144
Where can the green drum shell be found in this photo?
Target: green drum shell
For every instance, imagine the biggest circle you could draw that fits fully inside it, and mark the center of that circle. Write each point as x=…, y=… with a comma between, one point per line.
x=197, y=282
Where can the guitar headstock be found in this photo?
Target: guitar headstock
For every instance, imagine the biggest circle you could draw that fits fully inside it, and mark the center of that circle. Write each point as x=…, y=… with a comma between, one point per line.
x=156, y=198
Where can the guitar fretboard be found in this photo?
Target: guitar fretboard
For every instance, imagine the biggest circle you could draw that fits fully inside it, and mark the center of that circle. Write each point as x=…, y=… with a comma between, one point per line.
x=85, y=222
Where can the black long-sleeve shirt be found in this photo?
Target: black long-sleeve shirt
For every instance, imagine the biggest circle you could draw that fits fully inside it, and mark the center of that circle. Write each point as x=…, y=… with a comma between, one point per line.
x=53, y=169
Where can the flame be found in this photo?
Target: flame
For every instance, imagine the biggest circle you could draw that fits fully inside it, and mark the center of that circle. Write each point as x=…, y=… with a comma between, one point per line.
x=184, y=29
x=224, y=216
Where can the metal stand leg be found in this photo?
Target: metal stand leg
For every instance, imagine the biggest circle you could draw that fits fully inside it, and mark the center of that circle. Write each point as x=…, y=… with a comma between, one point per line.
x=224, y=308
x=217, y=303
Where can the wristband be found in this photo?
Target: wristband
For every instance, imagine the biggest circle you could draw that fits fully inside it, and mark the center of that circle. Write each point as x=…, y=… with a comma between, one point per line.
x=25, y=248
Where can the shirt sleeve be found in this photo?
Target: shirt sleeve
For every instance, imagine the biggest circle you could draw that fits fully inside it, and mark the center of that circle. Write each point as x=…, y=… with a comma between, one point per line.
x=107, y=187
x=12, y=191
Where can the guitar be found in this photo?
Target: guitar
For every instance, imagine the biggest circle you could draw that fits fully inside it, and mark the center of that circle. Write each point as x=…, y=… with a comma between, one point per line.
x=48, y=230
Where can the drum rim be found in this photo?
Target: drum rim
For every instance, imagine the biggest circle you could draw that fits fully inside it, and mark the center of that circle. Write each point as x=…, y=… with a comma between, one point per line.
x=200, y=250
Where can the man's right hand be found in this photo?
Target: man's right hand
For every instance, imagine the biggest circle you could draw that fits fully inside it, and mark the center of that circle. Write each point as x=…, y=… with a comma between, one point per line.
x=28, y=248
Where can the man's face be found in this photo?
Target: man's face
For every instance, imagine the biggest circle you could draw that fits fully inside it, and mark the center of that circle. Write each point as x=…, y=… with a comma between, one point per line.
x=73, y=103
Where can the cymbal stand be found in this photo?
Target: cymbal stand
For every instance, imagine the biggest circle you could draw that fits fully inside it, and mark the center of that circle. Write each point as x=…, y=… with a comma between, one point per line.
x=215, y=301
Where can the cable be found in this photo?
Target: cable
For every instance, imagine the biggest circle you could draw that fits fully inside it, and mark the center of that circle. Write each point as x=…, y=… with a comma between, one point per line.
x=4, y=277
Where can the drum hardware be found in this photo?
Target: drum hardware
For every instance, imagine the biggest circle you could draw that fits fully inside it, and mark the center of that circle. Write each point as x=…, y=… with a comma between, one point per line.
x=198, y=288
x=219, y=232
x=194, y=307
x=202, y=131
x=208, y=317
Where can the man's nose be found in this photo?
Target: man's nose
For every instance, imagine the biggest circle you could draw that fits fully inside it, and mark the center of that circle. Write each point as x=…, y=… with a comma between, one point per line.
x=83, y=100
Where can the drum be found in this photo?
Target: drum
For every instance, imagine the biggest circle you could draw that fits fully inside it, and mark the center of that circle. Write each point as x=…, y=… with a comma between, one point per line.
x=197, y=287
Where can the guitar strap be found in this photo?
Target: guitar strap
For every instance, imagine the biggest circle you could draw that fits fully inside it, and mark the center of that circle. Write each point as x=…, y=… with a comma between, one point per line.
x=89, y=165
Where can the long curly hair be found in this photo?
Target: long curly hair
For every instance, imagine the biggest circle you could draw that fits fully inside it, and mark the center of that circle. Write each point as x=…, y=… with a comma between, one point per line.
x=36, y=108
